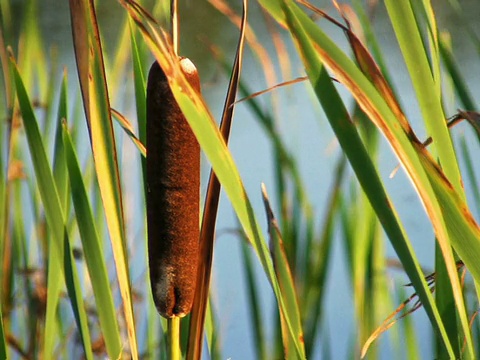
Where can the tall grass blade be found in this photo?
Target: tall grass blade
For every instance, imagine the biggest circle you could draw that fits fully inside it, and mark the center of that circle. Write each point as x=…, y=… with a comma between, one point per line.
x=207, y=231
x=368, y=65
x=76, y=299
x=212, y=143
x=425, y=77
x=284, y=162
x=367, y=25
x=117, y=64
x=54, y=282
x=257, y=48
x=31, y=35
x=429, y=180
x=93, y=252
x=255, y=313
x=212, y=332
x=285, y=279
x=459, y=12
x=4, y=187
x=3, y=347
x=446, y=305
x=471, y=175
x=91, y=73
x=140, y=91
x=316, y=272
x=411, y=337
x=59, y=164
x=128, y=128
x=454, y=72
x=53, y=212
x=316, y=47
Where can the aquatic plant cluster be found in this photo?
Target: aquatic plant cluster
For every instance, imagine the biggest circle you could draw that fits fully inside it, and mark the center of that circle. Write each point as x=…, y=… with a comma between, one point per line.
x=86, y=274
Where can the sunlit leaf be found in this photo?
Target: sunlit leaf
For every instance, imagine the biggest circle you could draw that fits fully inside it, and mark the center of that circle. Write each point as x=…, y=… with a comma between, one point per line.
x=207, y=232
x=91, y=72
x=53, y=212
x=212, y=143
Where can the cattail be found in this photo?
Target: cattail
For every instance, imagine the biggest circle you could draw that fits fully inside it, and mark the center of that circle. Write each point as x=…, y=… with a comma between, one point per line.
x=173, y=185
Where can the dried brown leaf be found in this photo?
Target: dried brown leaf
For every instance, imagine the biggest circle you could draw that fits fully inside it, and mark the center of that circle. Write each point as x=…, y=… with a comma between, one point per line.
x=207, y=232
x=258, y=93
x=16, y=171
x=251, y=38
x=368, y=66
x=127, y=126
x=392, y=319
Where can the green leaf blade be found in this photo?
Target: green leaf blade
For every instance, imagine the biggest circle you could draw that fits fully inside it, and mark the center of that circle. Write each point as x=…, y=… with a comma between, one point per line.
x=53, y=212
x=354, y=148
x=91, y=71
x=93, y=253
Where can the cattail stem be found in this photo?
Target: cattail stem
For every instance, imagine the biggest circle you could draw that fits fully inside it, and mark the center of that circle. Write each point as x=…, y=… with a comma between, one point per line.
x=174, y=25
x=173, y=328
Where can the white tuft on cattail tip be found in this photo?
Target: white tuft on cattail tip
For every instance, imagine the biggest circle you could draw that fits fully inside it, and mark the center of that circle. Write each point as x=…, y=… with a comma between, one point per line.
x=187, y=66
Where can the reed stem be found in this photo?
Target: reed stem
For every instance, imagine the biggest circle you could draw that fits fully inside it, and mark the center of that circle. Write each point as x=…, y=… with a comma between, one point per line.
x=173, y=327
x=174, y=24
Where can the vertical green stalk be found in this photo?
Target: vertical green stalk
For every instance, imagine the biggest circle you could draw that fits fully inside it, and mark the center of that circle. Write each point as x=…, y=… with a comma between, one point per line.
x=173, y=327
x=255, y=314
x=426, y=83
x=352, y=144
x=54, y=213
x=138, y=57
x=91, y=72
x=4, y=186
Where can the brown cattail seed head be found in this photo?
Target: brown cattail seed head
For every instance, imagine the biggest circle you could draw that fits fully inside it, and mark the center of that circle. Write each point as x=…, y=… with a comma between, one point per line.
x=173, y=185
